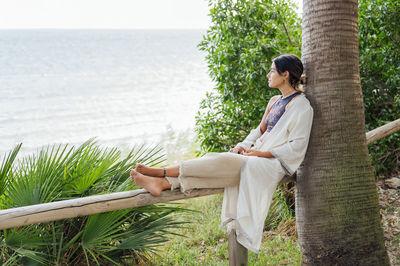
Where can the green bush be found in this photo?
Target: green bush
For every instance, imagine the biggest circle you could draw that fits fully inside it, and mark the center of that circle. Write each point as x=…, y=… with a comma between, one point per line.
x=62, y=172
x=244, y=37
x=379, y=35
x=242, y=41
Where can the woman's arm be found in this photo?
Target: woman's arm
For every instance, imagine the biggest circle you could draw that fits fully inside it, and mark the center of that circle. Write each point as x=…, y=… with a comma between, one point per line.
x=265, y=154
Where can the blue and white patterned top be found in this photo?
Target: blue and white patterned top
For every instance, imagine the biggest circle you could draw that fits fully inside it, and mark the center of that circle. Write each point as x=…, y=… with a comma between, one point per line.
x=277, y=110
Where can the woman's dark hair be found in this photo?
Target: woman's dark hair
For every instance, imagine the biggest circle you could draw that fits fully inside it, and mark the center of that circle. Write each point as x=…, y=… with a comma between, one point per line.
x=292, y=64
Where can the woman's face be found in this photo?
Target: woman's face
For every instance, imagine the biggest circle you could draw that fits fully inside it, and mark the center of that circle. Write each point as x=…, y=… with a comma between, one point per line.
x=275, y=80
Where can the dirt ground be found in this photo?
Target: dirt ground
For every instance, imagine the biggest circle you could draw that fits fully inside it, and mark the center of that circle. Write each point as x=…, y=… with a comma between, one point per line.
x=389, y=201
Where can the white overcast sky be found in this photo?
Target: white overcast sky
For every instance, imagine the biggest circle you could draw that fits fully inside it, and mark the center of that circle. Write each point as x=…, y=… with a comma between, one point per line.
x=71, y=14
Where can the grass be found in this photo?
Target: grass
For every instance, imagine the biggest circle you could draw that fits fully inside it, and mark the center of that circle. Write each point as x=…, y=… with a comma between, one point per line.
x=204, y=242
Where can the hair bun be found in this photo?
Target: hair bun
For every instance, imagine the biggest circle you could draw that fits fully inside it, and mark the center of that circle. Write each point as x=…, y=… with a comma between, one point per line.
x=303, y=79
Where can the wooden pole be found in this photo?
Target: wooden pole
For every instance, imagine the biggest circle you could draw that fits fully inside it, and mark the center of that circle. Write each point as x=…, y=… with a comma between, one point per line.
x=58, y=210
x=383, y=131
x=237, y=253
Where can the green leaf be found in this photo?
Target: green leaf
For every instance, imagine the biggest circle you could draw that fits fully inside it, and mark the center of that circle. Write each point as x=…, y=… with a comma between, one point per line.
x=6, y=167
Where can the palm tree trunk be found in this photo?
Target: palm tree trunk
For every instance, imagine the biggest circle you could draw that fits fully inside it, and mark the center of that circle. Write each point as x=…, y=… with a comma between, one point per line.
x=337, y=207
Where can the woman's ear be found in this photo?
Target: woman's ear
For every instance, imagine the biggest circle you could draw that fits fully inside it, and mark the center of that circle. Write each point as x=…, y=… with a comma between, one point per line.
x=286, y=74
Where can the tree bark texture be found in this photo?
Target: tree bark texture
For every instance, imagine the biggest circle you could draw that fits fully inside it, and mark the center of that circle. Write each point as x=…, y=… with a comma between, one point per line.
x=337, y=207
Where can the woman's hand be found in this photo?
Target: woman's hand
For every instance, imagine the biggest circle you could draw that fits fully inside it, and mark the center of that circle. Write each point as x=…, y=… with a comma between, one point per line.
x=253, y=153
x=238, y=150
x=264, y=154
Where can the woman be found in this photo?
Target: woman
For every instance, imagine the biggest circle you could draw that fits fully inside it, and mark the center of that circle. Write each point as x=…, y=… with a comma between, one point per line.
x=251, y=171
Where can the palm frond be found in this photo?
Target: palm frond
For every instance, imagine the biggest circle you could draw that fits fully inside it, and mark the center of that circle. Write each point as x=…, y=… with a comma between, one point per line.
x=91, y=166
x=6, y=166
x=149, y=156
x=28, y=243
x=30, y=256
x=152, y=234
x=10, y=260
x=62, y=172
x=103, y=229
x=117, y=178
x=38, y=178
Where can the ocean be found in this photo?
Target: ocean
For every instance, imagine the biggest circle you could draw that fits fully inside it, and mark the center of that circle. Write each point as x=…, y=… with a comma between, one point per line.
x=122, y=87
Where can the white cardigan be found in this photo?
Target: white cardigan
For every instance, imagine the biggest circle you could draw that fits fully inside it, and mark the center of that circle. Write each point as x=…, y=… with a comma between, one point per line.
x=245, y=206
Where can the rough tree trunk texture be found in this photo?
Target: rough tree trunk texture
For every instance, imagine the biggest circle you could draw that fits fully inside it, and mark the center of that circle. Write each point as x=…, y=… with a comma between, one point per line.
x=337, y=207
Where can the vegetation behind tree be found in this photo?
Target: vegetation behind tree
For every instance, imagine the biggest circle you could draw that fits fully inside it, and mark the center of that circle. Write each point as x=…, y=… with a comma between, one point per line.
x=243, y=39
x=379, y=44
x=246, y=35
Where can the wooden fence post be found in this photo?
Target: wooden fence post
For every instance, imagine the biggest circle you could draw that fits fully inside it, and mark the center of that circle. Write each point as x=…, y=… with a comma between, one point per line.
x=237, y=253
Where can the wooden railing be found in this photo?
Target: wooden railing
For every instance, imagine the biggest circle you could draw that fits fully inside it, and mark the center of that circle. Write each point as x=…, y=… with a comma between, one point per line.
x=53, y=211
x=64, y=209
x=383, y=131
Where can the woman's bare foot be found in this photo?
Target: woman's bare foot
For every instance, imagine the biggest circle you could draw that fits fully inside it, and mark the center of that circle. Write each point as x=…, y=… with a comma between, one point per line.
x=154, y=185
x=149, y=171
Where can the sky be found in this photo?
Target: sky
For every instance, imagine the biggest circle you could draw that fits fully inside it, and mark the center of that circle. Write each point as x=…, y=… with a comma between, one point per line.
x=104, y=14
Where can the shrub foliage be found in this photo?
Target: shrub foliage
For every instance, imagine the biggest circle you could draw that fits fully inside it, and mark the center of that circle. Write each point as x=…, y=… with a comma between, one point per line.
x=62, y=172
x=379, y=34
x=240, y=44
x=244, y=37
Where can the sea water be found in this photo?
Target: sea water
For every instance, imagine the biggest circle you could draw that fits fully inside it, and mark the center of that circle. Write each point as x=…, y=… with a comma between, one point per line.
x=120, y=86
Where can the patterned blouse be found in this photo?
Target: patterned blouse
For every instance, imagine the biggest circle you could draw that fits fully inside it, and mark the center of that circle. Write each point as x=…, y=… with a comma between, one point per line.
x=277, y=110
